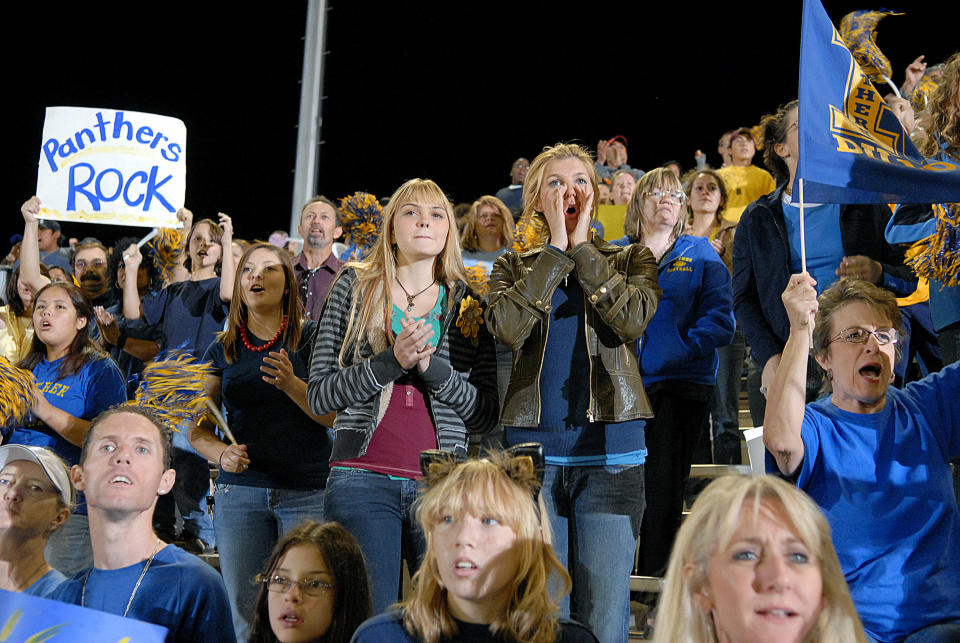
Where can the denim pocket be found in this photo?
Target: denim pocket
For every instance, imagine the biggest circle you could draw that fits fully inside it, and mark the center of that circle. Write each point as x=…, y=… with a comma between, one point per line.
x=221, y=489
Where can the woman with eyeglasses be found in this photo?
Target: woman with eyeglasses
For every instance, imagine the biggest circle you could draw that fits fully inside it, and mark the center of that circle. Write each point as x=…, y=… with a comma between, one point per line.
x=841, y=241
x=571, y=310
x=314, y=588
x=677, y=353
x=876, y=459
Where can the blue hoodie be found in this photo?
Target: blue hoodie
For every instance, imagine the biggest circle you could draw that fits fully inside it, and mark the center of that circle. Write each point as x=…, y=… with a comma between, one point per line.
x=694, y=317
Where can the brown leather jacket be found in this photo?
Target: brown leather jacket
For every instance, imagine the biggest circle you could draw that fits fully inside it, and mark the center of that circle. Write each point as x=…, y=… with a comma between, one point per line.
x=621, y=296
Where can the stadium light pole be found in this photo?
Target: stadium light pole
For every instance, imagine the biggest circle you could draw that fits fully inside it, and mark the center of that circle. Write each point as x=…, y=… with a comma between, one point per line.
x=311, y=116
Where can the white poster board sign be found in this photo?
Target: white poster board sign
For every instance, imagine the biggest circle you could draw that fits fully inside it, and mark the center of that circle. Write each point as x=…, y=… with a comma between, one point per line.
x=112, y=166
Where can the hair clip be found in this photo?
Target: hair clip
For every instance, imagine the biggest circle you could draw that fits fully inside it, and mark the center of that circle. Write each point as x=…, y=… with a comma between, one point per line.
x=437, y=465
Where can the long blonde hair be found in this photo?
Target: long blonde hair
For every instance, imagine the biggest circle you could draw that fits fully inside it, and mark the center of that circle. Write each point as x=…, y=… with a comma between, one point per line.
x=370, y=301
x=534, y=181
x=944, y=110
x=710, y=527
x=485, y=488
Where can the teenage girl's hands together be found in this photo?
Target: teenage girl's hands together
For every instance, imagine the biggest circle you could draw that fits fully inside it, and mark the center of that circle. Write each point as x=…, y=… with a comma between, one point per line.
x=411, y=348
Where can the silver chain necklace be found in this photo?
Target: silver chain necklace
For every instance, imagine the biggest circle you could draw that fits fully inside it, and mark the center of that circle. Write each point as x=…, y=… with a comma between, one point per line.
x=83, y=591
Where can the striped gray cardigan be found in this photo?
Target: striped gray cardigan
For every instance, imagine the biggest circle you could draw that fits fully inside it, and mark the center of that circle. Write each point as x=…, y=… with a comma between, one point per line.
x=461, y=380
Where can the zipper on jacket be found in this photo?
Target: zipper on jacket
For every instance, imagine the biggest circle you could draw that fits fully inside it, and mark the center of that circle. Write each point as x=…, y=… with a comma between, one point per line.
x=543, y=353
x=586, y=336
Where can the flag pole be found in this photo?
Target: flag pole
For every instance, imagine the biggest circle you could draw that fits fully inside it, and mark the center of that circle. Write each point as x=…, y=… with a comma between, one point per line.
x=803, y=248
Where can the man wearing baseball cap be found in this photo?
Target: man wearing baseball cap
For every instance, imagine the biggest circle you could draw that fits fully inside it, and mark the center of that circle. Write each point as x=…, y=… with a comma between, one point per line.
x=35, y=500
x=48, y=241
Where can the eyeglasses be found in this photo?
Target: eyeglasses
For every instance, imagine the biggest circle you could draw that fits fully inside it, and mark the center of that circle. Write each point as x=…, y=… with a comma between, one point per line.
x=96, y=263
x=858, y=335
x=308, y=586
x=677, y=196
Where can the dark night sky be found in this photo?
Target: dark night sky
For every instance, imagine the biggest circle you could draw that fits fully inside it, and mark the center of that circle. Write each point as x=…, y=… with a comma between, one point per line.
x=453, y=91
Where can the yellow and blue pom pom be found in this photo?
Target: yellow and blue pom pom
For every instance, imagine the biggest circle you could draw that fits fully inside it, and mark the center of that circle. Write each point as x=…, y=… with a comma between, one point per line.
x=938, y=256
x=174, y=387
x=16, y=393
x=858, y=29
x=361, y=218
x=166, y=250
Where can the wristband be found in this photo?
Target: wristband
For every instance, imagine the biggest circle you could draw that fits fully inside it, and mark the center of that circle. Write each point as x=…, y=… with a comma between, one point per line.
x=220, y=459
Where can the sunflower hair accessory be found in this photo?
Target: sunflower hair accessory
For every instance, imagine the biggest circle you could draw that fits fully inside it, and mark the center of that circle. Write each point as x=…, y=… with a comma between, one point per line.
x=470, y=318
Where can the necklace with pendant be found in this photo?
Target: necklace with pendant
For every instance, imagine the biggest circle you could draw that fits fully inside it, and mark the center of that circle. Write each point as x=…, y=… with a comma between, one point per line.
x=410, y=297
x=83, y=590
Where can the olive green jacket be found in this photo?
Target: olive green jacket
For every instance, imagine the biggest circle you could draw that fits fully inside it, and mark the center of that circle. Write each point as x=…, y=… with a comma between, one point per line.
x=620, y=294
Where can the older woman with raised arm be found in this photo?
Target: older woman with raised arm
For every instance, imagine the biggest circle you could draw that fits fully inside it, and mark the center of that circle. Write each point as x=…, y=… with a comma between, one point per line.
x=876, y=459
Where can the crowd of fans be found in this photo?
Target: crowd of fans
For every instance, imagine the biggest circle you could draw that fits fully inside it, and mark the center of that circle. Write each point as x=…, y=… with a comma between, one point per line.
x=589, y=326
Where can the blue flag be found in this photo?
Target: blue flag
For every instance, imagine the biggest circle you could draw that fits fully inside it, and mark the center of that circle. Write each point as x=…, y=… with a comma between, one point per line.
x=852, y=147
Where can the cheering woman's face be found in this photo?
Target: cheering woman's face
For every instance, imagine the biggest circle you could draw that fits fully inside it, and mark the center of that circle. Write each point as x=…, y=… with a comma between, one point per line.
x=204, y=251
x=55, y=318
x=262, y=280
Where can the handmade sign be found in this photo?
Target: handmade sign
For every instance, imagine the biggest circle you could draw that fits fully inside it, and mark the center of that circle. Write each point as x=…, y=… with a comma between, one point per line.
x=111, y=166
x=27, y=619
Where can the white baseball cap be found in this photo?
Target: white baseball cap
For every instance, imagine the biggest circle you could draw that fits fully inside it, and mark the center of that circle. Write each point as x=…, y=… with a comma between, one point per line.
x=50, y=462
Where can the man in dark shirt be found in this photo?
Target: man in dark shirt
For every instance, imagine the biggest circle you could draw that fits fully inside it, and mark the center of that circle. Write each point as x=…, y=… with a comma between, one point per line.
x=512, y=195
x=317, y=266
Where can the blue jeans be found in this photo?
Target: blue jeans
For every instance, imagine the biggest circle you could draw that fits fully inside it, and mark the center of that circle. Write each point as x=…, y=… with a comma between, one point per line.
x=595, y=515
x=248, y=522
x=191, y=488
x=378, y=511
x=69, y=550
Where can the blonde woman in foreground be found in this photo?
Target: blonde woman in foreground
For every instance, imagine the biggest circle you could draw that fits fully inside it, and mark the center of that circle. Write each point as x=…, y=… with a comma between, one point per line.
x=754, y=561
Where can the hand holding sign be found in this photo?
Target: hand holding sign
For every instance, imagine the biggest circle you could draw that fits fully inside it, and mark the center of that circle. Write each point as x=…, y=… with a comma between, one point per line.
x=31, y=210
x=111, y=166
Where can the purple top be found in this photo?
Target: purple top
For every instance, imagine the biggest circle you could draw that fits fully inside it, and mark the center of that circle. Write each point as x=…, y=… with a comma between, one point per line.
x=314, y=284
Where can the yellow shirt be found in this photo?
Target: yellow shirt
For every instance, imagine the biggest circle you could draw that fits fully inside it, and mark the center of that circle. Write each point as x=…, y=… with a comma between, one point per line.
x=17, y=337
x=744, y=186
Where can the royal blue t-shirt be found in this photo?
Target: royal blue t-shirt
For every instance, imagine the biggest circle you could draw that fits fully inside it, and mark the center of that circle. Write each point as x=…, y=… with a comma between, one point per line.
x=884, y=482
x=98, y=386
x=179, y=592
x=822, y=236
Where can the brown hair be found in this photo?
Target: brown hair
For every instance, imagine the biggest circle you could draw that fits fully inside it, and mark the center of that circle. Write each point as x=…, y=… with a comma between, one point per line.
x=470, y=241
x=86, y=245
x=82, y=349
x=944, y=110
x=13, y=295
x=216, y=236
x=166, y=433
x=292, y=307
x=842, y=292
x=774, y=128
x=696, y=174
x=341, y=553
x=322, y=199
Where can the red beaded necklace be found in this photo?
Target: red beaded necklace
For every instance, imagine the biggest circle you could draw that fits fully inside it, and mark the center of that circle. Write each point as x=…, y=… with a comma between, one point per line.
x=260, y=349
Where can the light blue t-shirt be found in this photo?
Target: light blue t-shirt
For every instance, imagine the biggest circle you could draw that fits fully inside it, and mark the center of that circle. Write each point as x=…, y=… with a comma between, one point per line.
x=822, y=236
x=46, y=585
